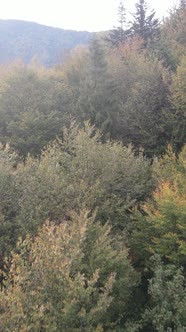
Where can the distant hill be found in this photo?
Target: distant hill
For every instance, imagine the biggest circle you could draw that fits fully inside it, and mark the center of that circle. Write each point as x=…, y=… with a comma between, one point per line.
x=26, y=40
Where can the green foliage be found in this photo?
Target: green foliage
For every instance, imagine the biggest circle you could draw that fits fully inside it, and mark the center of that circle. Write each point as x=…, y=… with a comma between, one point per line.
x=78, y=172
x=178, y=100
x=170, y=46
x=67, y=279
x=143, y=118
x=32, y=107
x=144, y=26
x=71, y=270
x=117, y=35
x=97, y=100
x=9, y=202
x=161, y=229
x=167, y=307
x=163, y=50
x=125, y=94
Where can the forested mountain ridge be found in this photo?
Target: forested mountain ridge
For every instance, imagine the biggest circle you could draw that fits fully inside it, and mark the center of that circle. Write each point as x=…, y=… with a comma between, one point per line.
x=26, y=40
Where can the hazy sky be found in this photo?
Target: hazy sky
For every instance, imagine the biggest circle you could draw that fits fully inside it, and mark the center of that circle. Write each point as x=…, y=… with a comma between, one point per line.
x=91, y=15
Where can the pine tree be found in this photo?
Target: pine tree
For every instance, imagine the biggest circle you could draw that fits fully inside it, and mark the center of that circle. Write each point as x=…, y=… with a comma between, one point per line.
x=145, y=26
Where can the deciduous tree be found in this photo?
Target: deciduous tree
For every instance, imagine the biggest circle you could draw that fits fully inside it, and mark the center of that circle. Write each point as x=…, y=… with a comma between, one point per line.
x=72, y=277
x=32, y=109
x=161, y=227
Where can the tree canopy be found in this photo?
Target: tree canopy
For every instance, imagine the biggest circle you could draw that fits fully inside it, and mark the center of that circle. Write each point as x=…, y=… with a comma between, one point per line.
x=93, y=184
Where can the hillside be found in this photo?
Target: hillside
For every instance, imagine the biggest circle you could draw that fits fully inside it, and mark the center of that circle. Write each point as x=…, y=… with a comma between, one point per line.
x=25, y=40
x=93, y=180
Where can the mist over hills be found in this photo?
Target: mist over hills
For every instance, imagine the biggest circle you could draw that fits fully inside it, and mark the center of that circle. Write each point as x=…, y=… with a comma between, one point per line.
x=28, y=40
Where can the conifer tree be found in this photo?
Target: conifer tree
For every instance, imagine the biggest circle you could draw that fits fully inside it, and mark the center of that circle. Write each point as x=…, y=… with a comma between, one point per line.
x=178, y=101
x=98, y=99
x=170, y=47
x=182, y=5
x=166, y=310
x=144, y=26
x=118, y=34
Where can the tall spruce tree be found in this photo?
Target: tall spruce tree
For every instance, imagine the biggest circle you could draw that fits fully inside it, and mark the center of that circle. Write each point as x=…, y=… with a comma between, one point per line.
x=170, y=47
x=144, y=26
x=182, y=5
x=98, y=97
x=118, y=34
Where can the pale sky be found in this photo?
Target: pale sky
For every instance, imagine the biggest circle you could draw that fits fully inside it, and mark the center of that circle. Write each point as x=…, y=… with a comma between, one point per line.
x=90, y=15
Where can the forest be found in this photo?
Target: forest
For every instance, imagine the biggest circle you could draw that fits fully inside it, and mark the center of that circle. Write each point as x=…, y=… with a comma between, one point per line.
x=28, y=40
x=93, y=183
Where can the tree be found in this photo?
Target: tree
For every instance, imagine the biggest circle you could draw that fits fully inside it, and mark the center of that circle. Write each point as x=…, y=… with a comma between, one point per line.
x=161, y=229
x=172, y=42
x=178, y=101
x=77, y=172
x=73, y=69
x=72, y=277
x=10, y=194
x=32, y=109
x=117, y=35
x=167, y=305
x=143, y=117
x=182, y=5
x=98, y=93
x=125, y=93
x=89, y=174
x=144, y=26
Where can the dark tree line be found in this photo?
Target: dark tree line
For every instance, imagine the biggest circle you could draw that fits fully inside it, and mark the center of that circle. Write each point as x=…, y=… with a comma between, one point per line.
x=143, y=25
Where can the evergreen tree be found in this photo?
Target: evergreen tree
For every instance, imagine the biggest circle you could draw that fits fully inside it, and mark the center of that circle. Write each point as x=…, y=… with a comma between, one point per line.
x=182, y=5
x=145, y=26
x=98, y=97
x=166, y=310
x=171, y=45
x=178, y=101
x=142, y=88
x=118, y=34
